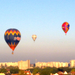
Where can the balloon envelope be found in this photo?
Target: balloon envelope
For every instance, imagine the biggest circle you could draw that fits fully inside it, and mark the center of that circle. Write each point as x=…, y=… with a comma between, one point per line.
x=12, y=38
x=34, y=37
x=65, y=27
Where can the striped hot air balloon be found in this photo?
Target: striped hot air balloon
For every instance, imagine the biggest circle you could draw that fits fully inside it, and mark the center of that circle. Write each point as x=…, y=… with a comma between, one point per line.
x=65, y=27
x=12, y=38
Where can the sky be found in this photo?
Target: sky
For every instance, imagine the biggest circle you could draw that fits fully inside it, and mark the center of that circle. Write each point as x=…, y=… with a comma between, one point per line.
x=43, y=18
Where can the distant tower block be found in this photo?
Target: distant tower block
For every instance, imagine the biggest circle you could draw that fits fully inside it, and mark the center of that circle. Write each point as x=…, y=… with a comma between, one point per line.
x=23, y=65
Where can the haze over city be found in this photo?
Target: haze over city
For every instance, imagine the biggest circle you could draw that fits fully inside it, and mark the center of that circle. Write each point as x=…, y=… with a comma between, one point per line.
x=43, y=18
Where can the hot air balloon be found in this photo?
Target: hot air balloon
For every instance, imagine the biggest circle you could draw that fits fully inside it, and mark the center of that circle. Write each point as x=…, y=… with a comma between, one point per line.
x=65, y=27
x=34, y=37
x=12, y=38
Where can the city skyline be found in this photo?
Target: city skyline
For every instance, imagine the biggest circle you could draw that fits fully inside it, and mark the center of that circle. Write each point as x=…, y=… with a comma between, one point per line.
x=26, y=64
x=43, y=18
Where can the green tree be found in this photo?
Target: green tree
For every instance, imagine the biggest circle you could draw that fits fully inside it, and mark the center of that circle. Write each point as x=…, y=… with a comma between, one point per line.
x=3, y=70
x=73, y=70
x=68, y=69
x=31, y=70
x=44, y=72
x=13, y=69
x=60, y=69
x=36, y=70
x=21, y=72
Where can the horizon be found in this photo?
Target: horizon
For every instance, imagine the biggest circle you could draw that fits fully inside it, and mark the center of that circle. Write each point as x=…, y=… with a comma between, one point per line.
x=38, y=61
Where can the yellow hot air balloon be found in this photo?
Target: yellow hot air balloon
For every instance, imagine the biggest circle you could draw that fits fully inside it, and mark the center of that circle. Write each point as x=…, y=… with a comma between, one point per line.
x=34, y=37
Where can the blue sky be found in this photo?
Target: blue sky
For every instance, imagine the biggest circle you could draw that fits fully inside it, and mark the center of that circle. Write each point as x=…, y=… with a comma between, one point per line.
x=43, y=18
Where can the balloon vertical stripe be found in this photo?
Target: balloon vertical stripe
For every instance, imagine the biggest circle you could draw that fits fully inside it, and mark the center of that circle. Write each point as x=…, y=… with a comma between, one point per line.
x=65, y=27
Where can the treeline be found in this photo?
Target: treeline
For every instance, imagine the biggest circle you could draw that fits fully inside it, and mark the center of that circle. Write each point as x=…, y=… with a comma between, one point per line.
x=48, y=70
x=42, y=71
x=10, y=69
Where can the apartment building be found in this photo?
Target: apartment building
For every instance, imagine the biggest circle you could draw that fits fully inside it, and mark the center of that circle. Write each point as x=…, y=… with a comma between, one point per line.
x=24, y=64
x=7, y=64
x=51, y=64
x=72, y=63
x=21, y=64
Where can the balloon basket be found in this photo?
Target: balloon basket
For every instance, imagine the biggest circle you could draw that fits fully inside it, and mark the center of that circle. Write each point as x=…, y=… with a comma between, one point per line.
x=12, y=53
x=65, y=34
